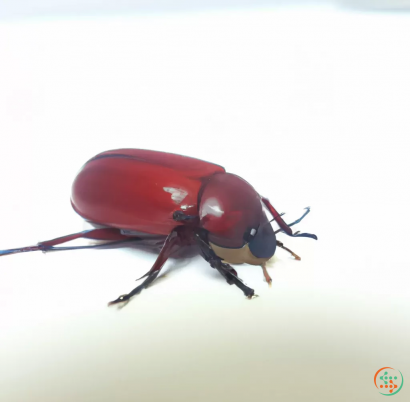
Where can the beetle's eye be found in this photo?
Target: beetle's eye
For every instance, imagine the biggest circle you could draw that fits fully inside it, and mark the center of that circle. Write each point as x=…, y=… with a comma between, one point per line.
x=249, y=234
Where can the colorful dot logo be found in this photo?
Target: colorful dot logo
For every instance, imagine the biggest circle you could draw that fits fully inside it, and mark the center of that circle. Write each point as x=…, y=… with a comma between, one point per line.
x=388, y=381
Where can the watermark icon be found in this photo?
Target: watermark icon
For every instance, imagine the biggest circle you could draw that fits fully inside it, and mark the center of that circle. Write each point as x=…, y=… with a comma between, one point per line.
x=388, y=381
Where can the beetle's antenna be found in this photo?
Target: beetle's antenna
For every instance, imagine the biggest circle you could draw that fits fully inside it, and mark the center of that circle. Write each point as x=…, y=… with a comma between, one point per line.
x=296, y=221
x=284, y=227
x=283, y=213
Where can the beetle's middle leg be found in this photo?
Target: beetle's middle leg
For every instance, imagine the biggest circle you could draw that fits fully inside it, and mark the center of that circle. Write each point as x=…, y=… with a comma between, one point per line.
x=171, y=243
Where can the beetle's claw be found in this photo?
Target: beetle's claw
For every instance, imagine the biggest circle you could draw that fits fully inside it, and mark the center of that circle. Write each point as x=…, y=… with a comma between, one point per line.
x=121, y=299
x=250, y=294
x=143, y=276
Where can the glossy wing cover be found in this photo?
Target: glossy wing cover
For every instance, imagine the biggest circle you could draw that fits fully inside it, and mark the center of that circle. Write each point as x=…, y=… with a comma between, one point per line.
x=139, y=190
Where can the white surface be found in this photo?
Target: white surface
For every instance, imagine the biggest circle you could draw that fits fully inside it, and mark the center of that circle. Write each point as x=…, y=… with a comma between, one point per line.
x=310, y=106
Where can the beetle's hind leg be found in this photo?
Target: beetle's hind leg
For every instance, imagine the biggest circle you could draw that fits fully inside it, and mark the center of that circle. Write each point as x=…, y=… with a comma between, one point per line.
x=112, y=236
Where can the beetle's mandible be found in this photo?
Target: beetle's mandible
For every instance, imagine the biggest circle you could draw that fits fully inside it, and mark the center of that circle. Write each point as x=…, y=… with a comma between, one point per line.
x=135, y=195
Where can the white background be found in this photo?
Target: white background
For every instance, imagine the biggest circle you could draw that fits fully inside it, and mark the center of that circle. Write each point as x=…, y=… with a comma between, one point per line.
x=309, y=104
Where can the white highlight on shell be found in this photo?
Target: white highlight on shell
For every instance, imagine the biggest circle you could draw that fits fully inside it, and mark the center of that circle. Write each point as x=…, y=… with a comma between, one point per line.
x=211, y=207
x=177, y=194
x=185, y=207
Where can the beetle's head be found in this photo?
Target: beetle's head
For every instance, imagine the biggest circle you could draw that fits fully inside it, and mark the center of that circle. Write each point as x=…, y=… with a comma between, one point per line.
x=238, y=229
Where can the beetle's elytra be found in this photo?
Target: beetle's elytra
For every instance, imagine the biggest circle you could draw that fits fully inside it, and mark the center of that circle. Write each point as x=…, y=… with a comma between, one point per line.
x=135, y=195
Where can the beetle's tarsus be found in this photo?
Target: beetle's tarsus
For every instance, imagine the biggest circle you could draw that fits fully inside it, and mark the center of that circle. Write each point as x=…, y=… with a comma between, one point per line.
x=121, y=299
x=174, y=239
x=226, y=271
x=151, y=277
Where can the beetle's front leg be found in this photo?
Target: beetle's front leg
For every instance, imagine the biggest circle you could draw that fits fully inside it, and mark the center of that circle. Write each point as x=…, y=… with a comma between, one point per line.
x=224, y=269
x=228, y=273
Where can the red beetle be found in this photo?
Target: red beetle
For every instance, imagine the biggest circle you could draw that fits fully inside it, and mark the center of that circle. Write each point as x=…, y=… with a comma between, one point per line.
x=135, y=195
